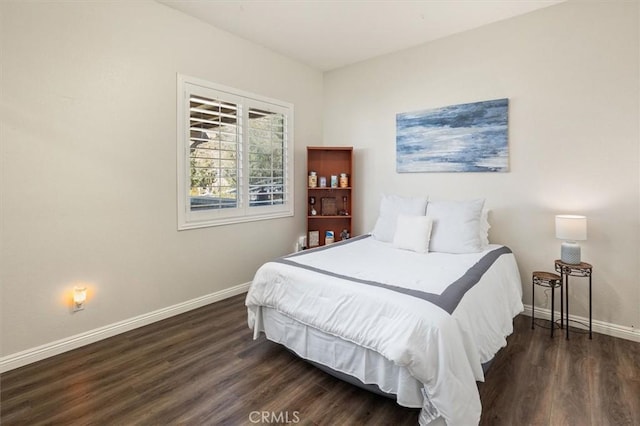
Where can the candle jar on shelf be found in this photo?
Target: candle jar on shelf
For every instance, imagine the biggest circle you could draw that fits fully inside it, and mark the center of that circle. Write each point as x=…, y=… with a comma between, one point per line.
x=344, y=180
x=313, y=180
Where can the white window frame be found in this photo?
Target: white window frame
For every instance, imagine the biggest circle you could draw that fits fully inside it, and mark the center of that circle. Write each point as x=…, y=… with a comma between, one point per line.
x=188, y=219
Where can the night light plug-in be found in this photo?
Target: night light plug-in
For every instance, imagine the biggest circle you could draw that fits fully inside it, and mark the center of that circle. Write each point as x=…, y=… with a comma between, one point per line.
x=79, y=298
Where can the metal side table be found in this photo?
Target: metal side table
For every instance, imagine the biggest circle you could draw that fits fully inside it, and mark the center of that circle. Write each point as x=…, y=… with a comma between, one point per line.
x=552, y=281
x=581, y=269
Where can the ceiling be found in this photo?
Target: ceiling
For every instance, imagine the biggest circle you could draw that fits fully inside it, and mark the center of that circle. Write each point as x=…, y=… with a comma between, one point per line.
x=329, y=34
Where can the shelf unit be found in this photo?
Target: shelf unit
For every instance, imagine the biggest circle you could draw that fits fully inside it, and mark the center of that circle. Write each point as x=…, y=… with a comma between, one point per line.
x=327, y=162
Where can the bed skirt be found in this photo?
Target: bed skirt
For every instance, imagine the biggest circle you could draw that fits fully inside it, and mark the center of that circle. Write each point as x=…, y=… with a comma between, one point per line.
x=347, y=361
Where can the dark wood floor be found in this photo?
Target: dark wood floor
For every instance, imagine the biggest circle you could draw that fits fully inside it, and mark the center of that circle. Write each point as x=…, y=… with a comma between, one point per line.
x=203, y=368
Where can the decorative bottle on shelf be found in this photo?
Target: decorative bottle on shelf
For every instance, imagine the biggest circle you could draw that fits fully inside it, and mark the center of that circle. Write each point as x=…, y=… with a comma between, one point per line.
x=343, y=211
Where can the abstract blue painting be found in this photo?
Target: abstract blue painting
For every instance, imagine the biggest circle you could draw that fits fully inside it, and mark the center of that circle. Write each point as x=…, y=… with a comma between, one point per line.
x=459, y=138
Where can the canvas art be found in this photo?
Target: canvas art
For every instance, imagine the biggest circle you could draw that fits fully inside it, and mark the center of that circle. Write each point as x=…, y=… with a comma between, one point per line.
x=469, y=137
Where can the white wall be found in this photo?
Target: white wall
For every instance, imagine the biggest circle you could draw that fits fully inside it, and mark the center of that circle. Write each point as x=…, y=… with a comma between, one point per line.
x=88, y=163
x=571, y=74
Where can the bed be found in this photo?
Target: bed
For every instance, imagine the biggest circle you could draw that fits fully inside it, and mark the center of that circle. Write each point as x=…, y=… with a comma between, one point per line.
x=416, y=324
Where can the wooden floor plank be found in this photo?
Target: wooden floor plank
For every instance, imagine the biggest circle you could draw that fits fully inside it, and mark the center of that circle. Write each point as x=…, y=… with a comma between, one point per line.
x=204, y=368
x=573, y=385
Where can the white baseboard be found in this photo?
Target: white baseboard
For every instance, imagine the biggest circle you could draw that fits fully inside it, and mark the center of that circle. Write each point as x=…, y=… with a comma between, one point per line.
x=614, y=330
x=28, y=356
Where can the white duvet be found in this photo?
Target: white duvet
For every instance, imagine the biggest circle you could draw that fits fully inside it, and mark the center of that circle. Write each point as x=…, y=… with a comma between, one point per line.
x=441, y=350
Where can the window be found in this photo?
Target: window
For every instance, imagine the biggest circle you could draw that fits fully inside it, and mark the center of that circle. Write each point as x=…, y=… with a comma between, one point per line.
x=235, y=156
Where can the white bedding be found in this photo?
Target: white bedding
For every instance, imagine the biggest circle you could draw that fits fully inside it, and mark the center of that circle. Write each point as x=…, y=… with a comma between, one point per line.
x=441, y=346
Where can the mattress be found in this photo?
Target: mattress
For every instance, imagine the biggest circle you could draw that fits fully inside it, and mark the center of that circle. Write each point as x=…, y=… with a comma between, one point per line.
x=416, y=325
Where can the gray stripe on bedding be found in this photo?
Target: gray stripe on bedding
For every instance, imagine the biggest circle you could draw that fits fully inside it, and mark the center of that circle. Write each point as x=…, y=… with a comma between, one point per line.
x=327, y=246
x=448, y=300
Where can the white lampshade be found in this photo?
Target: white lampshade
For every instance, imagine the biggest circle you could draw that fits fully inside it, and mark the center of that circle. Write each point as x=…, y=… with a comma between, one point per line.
x=571, y=227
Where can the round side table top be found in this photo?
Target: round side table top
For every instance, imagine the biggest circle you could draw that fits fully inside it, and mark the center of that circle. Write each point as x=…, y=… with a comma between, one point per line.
x=581, y=265
x=546, y=276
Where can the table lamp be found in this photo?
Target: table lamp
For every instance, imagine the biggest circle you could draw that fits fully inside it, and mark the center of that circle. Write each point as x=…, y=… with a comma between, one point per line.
x=571, y=228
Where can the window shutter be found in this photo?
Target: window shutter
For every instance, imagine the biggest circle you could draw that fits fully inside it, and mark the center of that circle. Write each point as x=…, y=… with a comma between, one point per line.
x=213, y=153
x=267, y=135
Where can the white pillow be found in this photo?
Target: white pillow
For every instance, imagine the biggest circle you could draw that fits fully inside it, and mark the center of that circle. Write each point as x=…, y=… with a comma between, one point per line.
x=413, y=233
x=456, y=226
x=484, y=228
x=390, y=207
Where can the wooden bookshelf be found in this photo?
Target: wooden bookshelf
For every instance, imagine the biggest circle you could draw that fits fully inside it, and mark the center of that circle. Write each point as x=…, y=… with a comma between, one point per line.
x=327, y=162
